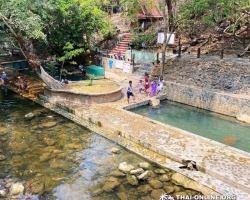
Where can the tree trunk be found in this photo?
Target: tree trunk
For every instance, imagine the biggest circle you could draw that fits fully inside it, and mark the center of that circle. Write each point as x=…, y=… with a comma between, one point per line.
x=26, y=47
x=170, y=14
x=48, y=80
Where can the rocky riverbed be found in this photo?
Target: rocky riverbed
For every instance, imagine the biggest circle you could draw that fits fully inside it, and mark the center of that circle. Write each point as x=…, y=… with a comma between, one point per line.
x=45, y=156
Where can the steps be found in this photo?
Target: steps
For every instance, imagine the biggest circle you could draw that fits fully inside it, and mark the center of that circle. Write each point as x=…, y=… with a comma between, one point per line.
x=123, y=45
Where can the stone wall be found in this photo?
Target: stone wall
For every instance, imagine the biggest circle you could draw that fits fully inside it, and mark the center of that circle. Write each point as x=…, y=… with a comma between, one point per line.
x=223, y=103
x=82, y=98
x=230, y=74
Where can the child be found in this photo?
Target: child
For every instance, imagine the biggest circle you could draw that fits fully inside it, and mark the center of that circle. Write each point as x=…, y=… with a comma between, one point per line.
x=140, y=87
x=153, y=87
x=158, y=88
x=130, y=91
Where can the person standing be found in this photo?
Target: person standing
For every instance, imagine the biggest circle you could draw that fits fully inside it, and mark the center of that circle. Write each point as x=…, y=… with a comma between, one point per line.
x=140, y=87
x=130, y=91
x=161, y=84
x=146, y=83
x=153, y=87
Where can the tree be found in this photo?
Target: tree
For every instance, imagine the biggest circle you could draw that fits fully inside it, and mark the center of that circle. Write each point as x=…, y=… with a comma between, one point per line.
x=23, y=22
x=213, y=12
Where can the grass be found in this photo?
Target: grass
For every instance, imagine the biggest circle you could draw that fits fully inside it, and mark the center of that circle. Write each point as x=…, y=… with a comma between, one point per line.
x=99, y=86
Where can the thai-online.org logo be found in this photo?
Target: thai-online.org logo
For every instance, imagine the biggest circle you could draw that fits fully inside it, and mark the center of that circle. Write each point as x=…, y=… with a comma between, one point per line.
x=198, y=197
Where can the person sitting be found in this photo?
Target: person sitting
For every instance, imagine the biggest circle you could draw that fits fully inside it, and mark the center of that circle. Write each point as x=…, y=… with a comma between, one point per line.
x=10, y=53
x=25, y=85
x=81, y=67
x=4, y=77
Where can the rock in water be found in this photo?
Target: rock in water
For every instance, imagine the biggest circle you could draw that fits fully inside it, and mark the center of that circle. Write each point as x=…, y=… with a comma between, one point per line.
x=125, y=167
x=155, y=103
x=144, y=165
x=229, y=140
x=160, y=171
x=115, y=150
x=4, y=131
x=144, y=189
x=164, y=177
x=144, y=175
x=122, y=195
x=110, y=184
x=156, y=184
x=132, y=179
x=137, y=171
x=16, y=189
x=37, y=188
x=117, y=173
x=49, y=124
x=29, y=115
x=2, y=157
x=155, y=194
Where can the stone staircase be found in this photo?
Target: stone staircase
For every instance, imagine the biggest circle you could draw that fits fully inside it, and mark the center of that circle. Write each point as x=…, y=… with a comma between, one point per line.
x=123, y=45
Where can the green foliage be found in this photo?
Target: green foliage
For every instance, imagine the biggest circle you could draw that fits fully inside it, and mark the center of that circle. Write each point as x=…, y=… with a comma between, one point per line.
x=149, y=40
x=64, y=72
x=108, y=31
x=212, y=12
x=55, y=22
x=51, y=68
x=70, y=52
x=131, y=8
x=91, y=78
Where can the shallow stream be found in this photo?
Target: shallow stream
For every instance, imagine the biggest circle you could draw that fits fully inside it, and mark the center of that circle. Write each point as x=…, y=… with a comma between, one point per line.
x=54, y=158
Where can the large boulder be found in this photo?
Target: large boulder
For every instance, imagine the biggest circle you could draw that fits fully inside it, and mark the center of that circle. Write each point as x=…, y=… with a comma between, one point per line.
x=110, y=184
x=125, y=167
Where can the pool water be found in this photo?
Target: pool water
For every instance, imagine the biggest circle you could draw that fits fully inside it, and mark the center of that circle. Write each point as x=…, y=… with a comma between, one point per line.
x=70, y=161
x=208, y=124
